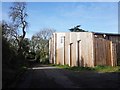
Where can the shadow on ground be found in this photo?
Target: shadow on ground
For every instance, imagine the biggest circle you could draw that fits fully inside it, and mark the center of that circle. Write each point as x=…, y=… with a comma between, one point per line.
x=44, y=76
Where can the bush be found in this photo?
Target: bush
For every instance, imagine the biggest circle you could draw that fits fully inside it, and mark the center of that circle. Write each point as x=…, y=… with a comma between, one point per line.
x=45, y=61
x=11, y=62
x=31, y=55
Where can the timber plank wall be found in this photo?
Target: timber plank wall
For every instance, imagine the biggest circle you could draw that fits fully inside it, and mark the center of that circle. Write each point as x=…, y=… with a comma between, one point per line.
x=104, y=52
x=84, y=49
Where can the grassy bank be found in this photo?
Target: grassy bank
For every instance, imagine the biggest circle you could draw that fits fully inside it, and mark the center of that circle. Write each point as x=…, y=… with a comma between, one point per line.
x=96, y=68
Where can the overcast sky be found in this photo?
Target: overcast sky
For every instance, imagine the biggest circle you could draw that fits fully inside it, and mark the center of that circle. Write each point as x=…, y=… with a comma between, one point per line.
x=92, y=16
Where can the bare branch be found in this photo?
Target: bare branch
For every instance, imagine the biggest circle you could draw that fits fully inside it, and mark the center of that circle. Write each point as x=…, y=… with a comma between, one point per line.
x=18, y=15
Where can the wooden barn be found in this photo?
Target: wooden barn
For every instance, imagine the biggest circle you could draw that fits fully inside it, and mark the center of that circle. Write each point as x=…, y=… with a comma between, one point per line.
x=85, y=49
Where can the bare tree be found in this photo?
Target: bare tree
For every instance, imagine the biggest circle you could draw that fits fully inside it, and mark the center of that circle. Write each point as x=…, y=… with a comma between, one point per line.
x=41, y=41
x=18, y=15
x=45, y=33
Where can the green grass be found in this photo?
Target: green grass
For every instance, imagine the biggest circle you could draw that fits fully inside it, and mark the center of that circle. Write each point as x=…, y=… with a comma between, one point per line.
x=107, y=69
x=96, y=68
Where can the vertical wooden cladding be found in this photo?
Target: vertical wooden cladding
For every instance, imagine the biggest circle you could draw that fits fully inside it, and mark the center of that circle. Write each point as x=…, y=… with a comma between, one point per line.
x=73, y=48
x=104, y=51
x=114, y=39
x=82, y=56
x=54, y=41
x=67, y=49
x=60, y=56
x=60, y=48
x=100, y=48
x=114, y=54
x=86, y=49
x=118, y=53
x=56, y=61
x=83, y=49
x=51, y=49
x=50, y=52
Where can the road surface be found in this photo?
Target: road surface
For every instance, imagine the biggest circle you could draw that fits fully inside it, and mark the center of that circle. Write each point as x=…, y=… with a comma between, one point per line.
x=43, y=76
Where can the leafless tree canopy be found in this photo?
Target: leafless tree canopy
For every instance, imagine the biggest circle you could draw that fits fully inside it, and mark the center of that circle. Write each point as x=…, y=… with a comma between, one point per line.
x=40, y=41
x=45, y=33
x=18, y=15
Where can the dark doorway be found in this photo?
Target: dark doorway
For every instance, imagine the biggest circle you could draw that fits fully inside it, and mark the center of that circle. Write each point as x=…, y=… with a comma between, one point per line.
x=71, y=54
x=64, y=50
x=78, y=50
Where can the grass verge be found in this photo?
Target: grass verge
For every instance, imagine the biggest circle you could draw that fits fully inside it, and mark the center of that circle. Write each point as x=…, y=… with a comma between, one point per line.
x=96, y=68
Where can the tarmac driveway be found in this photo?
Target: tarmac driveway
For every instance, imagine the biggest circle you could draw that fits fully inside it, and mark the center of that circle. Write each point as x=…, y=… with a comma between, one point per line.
x=43, y=76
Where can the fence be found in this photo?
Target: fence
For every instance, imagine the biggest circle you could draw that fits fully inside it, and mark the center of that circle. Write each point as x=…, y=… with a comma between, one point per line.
x=104, y=52
x=118, y=53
